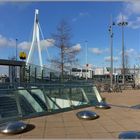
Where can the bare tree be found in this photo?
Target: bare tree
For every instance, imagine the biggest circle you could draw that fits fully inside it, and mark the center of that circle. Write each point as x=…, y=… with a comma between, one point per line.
x=67, y=53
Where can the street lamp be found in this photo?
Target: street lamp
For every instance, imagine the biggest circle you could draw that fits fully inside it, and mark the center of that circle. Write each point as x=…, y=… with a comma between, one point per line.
x=16, y=50
x=123, y=24
x=111, y=51
x=86, y=60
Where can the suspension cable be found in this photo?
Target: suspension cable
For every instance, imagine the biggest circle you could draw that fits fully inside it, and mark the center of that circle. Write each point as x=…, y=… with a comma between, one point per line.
x=45, y=40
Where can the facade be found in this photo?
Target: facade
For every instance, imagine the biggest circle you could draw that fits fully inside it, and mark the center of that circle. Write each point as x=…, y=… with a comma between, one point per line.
x=82, y=72
x=101, y=71
x=88, y=72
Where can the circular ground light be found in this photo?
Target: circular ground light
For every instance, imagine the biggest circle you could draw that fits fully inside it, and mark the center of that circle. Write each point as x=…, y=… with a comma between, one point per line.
x=136, y=106
x=129, y=135
x=87, y=115
x=13, y=127
x=102, y=105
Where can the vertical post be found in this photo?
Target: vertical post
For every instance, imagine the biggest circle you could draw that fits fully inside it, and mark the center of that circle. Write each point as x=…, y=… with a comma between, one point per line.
x=23, y=74
x=50, y=76
x=134, y=69
x=16, y=50
x=122, y=24
x=70, y=74
x=123, y=65
x=111, y=51
x=29, y=71
x=20, y=74
x=62, y=63
x=42, y=74
x=86, y=60
x=35, y=74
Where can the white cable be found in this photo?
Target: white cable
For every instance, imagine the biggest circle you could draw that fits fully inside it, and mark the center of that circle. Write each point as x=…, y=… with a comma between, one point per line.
x=45, y=40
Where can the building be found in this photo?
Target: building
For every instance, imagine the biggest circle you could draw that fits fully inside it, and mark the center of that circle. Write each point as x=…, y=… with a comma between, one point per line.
x=101, y=71
x=82, y=72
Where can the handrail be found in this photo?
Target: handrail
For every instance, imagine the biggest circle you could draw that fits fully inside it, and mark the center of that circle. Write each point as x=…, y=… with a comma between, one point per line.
x=15, y=86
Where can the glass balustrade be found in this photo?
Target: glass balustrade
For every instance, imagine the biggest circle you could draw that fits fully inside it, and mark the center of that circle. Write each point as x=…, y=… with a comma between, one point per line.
x=36, y=99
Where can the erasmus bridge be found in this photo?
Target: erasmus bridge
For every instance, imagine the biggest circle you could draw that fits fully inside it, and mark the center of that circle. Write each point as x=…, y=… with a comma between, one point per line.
x=29, y=70
x=36, y=42
x=38, y=71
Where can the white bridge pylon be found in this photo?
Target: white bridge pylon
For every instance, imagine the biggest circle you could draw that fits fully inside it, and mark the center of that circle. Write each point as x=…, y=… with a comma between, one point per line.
x=35, y=39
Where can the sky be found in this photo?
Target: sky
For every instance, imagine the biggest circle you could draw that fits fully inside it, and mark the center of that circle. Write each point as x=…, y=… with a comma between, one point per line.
x=89, y=22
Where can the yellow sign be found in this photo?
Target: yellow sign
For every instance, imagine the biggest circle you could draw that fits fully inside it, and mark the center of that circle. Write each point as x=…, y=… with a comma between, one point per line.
x=22, y=55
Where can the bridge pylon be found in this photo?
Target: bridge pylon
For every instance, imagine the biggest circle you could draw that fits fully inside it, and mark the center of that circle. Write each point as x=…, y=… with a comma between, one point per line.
x=35, y=39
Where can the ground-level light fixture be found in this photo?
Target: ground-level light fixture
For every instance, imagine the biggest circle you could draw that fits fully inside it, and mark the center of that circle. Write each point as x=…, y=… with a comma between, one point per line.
x=87, y=115
x=13, y=127
x=129, y=135
x=102, y=105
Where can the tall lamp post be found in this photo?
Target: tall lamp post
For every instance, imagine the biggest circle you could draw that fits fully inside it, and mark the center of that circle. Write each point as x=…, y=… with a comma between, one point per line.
x=86, y=60
x=16, y=50
x=123, y=24
x=111, y=51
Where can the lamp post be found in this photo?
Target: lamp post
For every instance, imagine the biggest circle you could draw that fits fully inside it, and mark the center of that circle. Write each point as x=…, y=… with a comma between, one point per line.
x=16, y=50
x=123, y=24
x=86, y=59
x=111, y=51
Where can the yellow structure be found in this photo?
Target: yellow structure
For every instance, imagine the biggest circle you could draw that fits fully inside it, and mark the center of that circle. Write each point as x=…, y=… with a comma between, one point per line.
x=22, y=55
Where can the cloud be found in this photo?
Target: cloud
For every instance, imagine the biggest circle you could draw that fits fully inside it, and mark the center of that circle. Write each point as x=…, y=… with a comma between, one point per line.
x=107, y=50
x=47, y=43
x=76, y=47
x=131, y=13
x=8, y=42
x=24, y=45
x=43, y=43
x=132, y=7
x=5, y=42
x=108, y=59
x=96, y=51
x=138, y=56
x=121, y=17
x=81, y=15
x=130, y=52
x=99, y=51
x=135, y=24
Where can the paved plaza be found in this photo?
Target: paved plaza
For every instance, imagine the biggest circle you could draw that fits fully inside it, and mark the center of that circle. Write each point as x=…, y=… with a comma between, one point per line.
x=110, y=123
